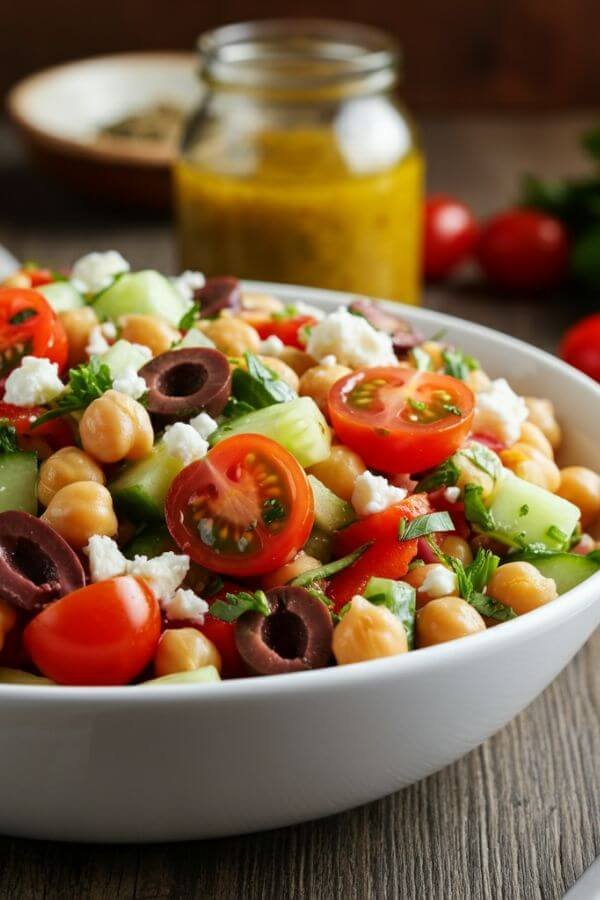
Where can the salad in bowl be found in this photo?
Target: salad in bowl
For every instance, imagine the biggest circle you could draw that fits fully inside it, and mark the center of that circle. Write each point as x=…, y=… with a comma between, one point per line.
x=201, y=482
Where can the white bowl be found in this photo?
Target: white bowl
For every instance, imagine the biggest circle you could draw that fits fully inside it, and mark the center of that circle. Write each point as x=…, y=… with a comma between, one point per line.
x=182, y=762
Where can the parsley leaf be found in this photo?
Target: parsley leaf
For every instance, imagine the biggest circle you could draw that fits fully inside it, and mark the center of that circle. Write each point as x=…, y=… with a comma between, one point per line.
x=422, y=360
x=258, y=386
x=397, y=596
x=557, y=535
x=473, y=579
x=235, y=605
x=189, y=318
x=482, y=568
x=458, y=364
x=493, y=609
x=273, y=510
x=8, y=437
x=423, y=525
x=87, y=382
x=475, y=510
x=288, y=312
x=445, y=475
x=329, y=569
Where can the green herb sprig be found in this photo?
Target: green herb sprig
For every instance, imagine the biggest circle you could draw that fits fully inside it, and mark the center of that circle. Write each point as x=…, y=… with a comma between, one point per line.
x=329, y=569
x=424, y=525
x=87, y=382
x=235, y=605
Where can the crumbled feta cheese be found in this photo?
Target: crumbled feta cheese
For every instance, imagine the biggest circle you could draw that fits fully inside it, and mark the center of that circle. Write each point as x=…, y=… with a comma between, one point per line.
x=352, y=340
x=439, y=582
x=204, y=425
x=145, y=351
x=329, y=361
x=185, y=442
x=185, y=604
x=500, y=412
x=188, y=282
x=130, y=383
x=163, y=573
x=106, y=560
x=96, y=271
x=109, y=330
x=271, y=346
x=373, y=493
x=451, y=494
x=34, y=381
x=97, y=343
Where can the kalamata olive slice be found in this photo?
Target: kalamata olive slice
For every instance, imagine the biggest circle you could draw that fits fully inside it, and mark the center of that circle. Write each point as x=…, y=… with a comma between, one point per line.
x=36, y=564
x=220, y=292
x=403, y=341
x=188, y=381
x=296, y=636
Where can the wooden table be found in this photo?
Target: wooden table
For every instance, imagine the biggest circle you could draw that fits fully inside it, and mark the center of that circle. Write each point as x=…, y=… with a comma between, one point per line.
x=517, y=818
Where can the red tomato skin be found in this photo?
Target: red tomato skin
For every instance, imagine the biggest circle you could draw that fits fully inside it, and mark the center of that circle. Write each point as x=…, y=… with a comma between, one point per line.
x=450, y=235
x=102, y=634
x=222, y=634
x=287, y=330
x=39, y=277
x=387, y=557
x=48, y=337
x=523, y=249
x=57, y=433
x=580, y=346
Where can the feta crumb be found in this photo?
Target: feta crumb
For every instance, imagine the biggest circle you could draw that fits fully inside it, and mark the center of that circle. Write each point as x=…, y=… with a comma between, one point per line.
x=204, y=425
x=163, y=573
x=271, y=346
x=500, y=412
x=373, y=493
x=188, y=282
x=185, y=604
x=106, y=560
x=96, y=271
x=34, y=381
x=329, y=361
x=145, y=351
x=451, y=494
x=439, y=582
x=130, y=383
x=97, y=343
x=109, y=330
x=352, y=340
x=185, y=442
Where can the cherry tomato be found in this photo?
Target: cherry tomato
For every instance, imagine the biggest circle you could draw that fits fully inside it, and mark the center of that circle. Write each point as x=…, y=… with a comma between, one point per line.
x=222, y=634
x=450, y=235
x=401, y=420
x=523, y=249
x=57, y=433
x=245, y=509
x=29, y=326
x=38, y=277
x=105, y=633
x=387, y=557
x=580, y=346
x=287, y=330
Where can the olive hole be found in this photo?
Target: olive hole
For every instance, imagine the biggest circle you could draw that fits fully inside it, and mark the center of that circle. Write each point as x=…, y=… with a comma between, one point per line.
x=286, y=634
x=30, y=561
x=182, y=380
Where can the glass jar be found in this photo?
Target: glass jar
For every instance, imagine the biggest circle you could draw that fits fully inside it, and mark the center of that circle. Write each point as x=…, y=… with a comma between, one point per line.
x=301, y=165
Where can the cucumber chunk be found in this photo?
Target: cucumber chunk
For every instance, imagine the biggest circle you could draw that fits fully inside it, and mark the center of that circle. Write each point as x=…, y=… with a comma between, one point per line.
x=122, y=356
x=567, y=569
x=152, y=541
x=527, y=514
x=61, y=295
x=399, y=597
x=141, y=488
x=297, y=425
x=18, y=482
x=147, y=292
x=195, y=338
x=331, y=512
x=205, y=675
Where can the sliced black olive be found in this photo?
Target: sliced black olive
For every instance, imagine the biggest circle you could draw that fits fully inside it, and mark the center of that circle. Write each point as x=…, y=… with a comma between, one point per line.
x=188, y=381
x=402, y=335
x=403, y=341
x=36, y=564
x=220, y=292
x=296, y=635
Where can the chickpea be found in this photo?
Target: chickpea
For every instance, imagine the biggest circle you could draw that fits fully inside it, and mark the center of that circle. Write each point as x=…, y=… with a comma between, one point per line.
x=66, y=466
x=116, y=427
x=282, y=370
x=298, y=360
x=458, y=548
x=339, y=471
x=318, y=381
x=582, y=487
x=478, y=380
x=256, y=307
x=541, y=413
x=531, y=465
x=78, y=325
x=302, y=562
x=80, y=510
x=368, y=632
x=521, y=586
x=534, y=436
x=470, y=473
x=417, y=577
x=232, y=336
x=8, y=619
x=183, y=650
x=447, y=619
x=18, y=279
x=150, y=331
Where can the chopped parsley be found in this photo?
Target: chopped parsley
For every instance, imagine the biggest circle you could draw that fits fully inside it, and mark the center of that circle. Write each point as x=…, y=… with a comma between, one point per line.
x=235, y=605
x=472, y=581
x=423, y=525
x=475, y=509
x=87, y=382
x=258, y=386
x=445, y=475
x=524, y=510
x=189, y=318
x=557, y=535
x=8, y=437
x=458, y=364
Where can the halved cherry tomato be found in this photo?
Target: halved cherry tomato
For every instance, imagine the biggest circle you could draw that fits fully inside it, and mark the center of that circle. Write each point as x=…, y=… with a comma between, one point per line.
x=29, y=326
x=287, y=330
x=222, y=634
x=401, y=420
x=387, y=557
x=580, y=346
x=105, y=633
x=245, y=509
x=56, y=433
x=37, y=276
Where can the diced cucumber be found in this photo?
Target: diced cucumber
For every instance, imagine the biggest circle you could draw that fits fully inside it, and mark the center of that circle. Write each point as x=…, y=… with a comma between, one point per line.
x=61, y=295
x=567, y=569
x=195, y=338
x=147, y=292
x=297, y=425
x=331, y=512
x=152, y=541
x=18, y=482
x=399, y=597
x=319, y=545
x=122, y=356
x=140, y=489
x=17, y=676
x=527, y=514
x=205, y=675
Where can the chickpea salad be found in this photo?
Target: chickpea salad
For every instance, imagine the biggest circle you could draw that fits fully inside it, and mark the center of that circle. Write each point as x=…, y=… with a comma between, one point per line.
x=198, y=483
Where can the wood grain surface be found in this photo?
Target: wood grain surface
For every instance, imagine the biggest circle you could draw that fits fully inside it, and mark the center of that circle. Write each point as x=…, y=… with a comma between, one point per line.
x=517, y=818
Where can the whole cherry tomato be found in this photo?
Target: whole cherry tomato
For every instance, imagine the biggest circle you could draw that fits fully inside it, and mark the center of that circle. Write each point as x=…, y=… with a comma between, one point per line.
x=450, y=235
x=523, y=249
x=105, y=633
x=580, y=346
x=29, y=327
x=287, y=330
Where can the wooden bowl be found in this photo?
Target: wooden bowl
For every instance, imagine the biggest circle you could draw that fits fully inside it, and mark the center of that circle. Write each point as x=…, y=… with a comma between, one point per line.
x=60, y=112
